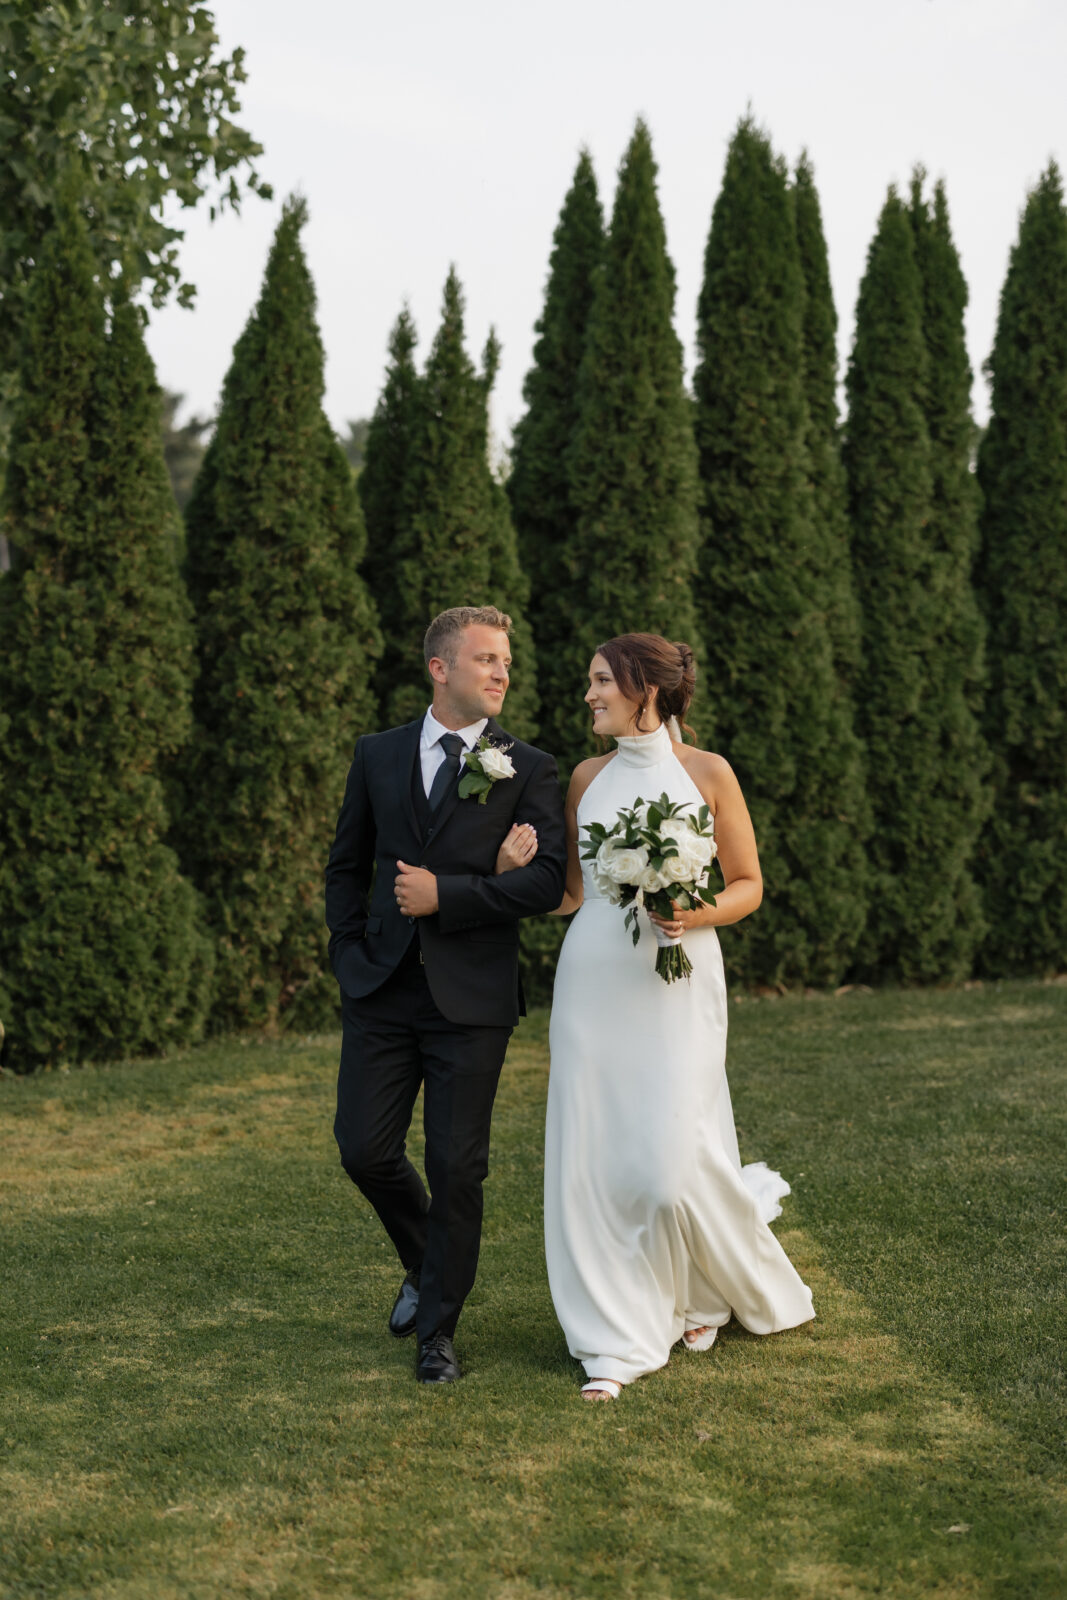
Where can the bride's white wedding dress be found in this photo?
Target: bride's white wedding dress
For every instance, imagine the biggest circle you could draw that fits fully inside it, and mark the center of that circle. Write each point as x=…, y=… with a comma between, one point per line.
x=651, y=1224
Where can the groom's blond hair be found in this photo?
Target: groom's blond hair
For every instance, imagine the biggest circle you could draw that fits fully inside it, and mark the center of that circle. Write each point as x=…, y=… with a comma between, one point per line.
x=443, y=634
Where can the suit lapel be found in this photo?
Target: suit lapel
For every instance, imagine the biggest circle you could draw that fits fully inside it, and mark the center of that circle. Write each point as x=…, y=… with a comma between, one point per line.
x=407, y=753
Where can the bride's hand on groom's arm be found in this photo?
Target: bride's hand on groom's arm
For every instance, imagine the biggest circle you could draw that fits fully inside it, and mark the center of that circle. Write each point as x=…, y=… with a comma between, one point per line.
x=518, y=849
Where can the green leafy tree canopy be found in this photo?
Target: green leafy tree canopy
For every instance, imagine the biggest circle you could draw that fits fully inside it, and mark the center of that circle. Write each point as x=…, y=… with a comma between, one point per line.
x=124, y=107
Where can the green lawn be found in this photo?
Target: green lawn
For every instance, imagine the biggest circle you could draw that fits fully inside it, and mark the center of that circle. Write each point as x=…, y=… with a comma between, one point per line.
x=199, y=1397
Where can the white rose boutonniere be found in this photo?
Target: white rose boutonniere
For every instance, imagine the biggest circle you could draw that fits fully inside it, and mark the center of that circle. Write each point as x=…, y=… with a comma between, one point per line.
x=486, y=764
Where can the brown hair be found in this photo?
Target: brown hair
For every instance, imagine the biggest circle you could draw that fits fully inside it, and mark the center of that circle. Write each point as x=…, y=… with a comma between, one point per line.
x=443, y=634
x=641, y=662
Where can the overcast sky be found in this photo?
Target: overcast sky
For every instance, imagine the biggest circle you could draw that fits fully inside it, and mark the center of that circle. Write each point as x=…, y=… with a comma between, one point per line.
x=424, y=134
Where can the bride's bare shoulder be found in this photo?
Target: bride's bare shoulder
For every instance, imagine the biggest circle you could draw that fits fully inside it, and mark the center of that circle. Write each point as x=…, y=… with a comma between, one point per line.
x=709, y=771
x=584, y=773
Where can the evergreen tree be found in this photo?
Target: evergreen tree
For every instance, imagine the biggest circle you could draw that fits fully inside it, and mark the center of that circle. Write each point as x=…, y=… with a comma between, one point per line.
x=633, y=554
x=1022, y=469
x=382, y=492
x=454, y=539
x=824, y=441
x=890, y=469
x=101, y=952
x=540, y=490
x=781, y=714
x=958, y=797
x=539, y=485
x=509, y=585
x=287, y=638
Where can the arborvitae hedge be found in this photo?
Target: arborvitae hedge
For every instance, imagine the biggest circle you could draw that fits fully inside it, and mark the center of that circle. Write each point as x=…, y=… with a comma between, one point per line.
x=381, y=489
x=101, y=951
x=632, y=464
x=539, y=486
x=824, y=437
x=1022, y=470
x=781, y=714
x=456, y=542
x=539, y=489
x=287, y=639
x=958, y=798
x=888, y=462
x=509, y=586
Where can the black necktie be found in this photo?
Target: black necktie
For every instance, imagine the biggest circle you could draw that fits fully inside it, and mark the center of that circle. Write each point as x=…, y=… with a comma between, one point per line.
x=448, y=771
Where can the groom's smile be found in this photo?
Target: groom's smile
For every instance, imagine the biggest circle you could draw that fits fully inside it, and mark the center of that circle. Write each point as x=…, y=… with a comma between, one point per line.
x=474, y=682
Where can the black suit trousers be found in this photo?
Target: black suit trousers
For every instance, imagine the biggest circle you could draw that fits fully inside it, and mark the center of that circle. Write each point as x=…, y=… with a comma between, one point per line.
x=395, y=1040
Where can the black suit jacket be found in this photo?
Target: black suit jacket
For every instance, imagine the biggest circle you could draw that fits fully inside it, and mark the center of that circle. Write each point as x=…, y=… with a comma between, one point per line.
x=470, y=945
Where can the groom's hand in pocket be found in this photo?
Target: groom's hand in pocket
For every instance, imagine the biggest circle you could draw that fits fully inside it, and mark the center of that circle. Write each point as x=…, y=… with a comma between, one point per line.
x=415, y=890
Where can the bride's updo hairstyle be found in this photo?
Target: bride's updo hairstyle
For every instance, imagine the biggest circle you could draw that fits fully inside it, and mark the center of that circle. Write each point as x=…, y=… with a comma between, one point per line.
x=642, y=662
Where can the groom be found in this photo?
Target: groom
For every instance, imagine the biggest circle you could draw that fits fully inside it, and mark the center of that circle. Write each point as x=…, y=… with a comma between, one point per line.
x=424, y=942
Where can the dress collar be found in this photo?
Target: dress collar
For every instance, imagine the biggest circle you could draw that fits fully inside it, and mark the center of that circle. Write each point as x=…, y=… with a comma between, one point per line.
x=644, y=749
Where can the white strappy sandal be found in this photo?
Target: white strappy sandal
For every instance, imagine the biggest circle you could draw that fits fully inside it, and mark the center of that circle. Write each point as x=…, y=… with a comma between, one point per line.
x=705, y=1341
x=607, y=1387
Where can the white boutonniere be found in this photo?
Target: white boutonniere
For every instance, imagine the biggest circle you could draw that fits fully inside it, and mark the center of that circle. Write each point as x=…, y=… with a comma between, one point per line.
x=486, y=764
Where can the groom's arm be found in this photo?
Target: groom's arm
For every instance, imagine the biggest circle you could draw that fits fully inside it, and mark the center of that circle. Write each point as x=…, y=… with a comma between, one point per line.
x=348, y=872
x=467, y=899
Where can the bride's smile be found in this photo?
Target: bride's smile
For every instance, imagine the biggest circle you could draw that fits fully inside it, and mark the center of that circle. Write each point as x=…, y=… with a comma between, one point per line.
x=614, y=713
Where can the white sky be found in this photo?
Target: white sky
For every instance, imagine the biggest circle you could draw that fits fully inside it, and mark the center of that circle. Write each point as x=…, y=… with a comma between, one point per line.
x=428, y=133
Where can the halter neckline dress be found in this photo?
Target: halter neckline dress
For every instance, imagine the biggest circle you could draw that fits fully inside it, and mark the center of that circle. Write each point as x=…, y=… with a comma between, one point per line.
x=651, y=1224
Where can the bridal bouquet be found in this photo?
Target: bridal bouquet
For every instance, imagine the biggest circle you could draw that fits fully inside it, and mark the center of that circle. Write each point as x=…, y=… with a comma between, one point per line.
x=653, y=855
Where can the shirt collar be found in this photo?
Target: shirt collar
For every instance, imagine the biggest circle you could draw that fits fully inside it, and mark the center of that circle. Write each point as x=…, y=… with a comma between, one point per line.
x=432, y=731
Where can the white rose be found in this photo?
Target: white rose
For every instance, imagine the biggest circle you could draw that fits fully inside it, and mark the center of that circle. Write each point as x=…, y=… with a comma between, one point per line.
x=622, y=865
x=495, y=764
x=610, y=891
x=698, y=850
x=694, y=851
x=682, y=868
x=652, y=881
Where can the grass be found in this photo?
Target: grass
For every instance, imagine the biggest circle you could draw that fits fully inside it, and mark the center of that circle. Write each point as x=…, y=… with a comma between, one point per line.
x=199, y=1397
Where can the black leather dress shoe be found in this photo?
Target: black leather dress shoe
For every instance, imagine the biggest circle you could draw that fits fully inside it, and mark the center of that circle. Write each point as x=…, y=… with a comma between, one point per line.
x=437, y=1360
x=402, y=1316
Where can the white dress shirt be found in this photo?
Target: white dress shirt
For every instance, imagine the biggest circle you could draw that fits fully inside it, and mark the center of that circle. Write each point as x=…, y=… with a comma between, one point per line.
x=431, y=752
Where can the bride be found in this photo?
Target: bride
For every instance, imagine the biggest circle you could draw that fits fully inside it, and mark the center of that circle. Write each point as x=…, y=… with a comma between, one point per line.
x=653, y=1230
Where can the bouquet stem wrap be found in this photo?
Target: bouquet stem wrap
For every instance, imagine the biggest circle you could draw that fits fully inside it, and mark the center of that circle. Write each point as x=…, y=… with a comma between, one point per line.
x=671, y=960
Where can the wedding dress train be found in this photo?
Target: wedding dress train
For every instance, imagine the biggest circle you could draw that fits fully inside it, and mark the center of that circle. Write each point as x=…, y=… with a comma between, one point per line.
x=651, y=1224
